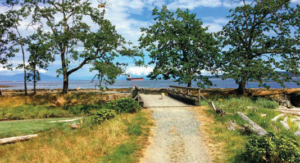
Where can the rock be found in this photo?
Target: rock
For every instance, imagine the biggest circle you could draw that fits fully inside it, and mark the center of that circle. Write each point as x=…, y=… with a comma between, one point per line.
x=247, y=129
x=75, y=126
x=231, y=125
x=297, y=133
x=284, y=103
x=263, y=115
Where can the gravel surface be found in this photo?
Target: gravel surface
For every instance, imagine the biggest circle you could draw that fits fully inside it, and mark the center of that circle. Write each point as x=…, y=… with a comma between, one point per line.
x=176, y=137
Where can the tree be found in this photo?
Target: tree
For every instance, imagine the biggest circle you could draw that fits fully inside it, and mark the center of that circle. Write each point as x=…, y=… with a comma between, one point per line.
x=257, y=43
x=180, y=47
x=12, y=38
x=40, y=56
x=107, y=72
x=6, y=52
x=68, y=23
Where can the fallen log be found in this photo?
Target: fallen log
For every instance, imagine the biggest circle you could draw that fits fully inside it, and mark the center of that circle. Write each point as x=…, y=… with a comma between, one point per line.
x=256, y=128
x=69, y=120
x=278, y=116
x=16, y=139
x=284, y=123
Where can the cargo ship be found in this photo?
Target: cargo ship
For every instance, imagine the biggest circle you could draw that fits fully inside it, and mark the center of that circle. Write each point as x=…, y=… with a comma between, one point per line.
x=129, y=78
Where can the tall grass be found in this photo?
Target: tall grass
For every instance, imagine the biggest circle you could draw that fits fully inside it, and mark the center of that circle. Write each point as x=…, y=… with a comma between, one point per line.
x=234, y=141
x=111, y=141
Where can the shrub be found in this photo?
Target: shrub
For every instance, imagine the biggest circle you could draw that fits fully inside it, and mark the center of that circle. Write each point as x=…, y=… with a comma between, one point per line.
x=272, y=149
x=268, y=104
x=98, y=116
x=125, y=105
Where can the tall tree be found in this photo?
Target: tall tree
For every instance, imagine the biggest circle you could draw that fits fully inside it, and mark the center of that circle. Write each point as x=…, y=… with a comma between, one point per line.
x=14, y=37
x=40, y=55
x=180, y=47
x=68, y=21
x=7, y=51
x=257, y=43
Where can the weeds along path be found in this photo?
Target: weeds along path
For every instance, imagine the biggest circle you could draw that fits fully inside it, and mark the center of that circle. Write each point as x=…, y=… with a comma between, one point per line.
x=176, y=137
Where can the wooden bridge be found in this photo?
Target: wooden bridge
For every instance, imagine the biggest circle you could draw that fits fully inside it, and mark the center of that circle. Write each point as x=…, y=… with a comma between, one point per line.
x=176, y=96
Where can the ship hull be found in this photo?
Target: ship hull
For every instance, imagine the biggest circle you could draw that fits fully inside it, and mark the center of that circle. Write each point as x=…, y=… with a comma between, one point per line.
x=134, y=79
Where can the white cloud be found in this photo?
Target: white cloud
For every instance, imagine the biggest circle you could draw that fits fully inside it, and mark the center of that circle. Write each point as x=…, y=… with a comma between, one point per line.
x=191, y=4
x=15, y=71
x=214, y=24
x=295, y=1
x=139, y=70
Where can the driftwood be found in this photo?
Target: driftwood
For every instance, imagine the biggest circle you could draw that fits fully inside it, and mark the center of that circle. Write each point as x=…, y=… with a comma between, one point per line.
x=278, y=116
x=284, y=123
x=256, y=128
x=16, y=139
x=69, y=120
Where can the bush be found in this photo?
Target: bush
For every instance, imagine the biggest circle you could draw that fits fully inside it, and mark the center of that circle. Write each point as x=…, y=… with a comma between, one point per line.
x=98, y=116
x=272, y=149
x=268, y=104
x=125, y=105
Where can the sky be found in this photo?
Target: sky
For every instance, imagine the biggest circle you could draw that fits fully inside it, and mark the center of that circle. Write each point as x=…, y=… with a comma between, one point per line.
x=129, y=16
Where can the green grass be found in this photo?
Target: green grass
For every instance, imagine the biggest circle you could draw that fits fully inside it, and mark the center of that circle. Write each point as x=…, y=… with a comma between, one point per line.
x=116, y=140
x=127, y=151
x=18, y=128
x=234, y=140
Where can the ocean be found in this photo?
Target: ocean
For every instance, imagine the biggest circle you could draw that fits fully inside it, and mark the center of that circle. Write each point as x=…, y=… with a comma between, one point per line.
x=85, y=84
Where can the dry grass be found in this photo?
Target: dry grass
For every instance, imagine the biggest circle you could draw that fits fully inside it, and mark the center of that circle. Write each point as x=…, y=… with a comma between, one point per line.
x=215, y=148
x=82, y=145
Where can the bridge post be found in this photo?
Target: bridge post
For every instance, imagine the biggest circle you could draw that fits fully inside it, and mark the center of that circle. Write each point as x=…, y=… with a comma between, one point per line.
x=199, y=97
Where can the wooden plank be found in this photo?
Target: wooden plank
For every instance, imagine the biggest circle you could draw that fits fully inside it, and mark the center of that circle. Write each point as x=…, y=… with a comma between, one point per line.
x=157, y=101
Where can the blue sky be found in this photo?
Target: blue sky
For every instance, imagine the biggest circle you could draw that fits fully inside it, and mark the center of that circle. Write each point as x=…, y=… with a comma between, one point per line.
x=130, y=15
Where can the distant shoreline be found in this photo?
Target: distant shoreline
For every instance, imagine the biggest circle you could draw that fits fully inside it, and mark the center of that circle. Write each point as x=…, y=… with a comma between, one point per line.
x=5, y=86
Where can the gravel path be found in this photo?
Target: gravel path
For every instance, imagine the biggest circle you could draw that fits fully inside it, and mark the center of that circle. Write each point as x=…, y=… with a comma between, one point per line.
x=177, y=138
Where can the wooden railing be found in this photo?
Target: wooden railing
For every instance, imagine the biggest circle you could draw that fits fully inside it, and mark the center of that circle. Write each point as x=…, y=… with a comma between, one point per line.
x=190, y=98
x=135, y=94
x=178, y=92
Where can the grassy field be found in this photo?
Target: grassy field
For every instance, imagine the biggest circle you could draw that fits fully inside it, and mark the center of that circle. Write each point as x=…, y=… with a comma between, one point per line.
x=232, y=143
x=18, y=128
x=117, y=140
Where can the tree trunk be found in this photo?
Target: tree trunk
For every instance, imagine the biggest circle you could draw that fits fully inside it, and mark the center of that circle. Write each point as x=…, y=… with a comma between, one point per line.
x=65, y=73
x=241, y=89
x=34, y=79
x=23, y=53
x=24, y=67
x=66, y=83
x=189, y=83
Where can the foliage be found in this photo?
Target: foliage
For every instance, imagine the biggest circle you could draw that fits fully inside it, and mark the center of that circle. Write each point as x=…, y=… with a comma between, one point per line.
x=233, y=142
x=107, y=72
x=6, y=52
x=272, y=149
x=72, y=37
x=179, y=46
x=259, y=44
x=40, y=56
x=125, y=105
x=99, y=116
x=11, y=38
x=265, y=103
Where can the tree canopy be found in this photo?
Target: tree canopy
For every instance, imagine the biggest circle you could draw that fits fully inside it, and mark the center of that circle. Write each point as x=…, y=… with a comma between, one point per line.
x=74, y=39
x=258, y=45
x=180, y=47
